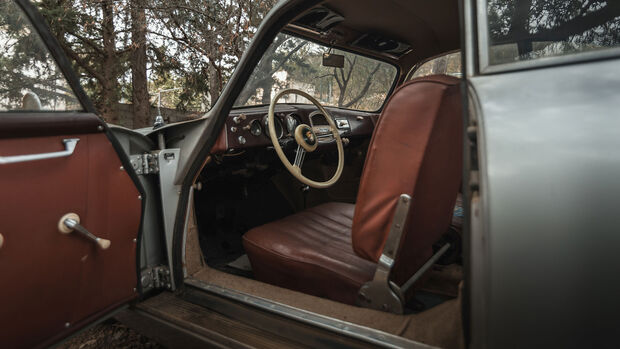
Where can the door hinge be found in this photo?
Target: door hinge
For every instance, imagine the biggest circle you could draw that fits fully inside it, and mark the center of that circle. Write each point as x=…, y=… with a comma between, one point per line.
x=146, y=163
x=155, y=278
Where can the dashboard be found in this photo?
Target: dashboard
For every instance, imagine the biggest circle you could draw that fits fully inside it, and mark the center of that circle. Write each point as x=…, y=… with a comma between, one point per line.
x=247, y=127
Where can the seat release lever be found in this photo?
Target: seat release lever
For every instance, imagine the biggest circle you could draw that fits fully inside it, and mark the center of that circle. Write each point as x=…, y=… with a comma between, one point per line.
x=71, y=222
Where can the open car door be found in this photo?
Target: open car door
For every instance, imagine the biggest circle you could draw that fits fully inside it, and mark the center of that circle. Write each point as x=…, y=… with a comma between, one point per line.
x=57, y=161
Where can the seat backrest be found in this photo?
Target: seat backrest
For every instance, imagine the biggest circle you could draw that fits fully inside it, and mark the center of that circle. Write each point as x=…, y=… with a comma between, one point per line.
x=416, y=149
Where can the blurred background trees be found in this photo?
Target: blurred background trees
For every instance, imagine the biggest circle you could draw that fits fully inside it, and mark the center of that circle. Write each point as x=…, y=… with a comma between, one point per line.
x=125, y=51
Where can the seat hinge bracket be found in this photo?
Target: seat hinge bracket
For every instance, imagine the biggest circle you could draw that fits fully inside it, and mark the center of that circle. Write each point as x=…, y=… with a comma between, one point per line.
x=380, y=293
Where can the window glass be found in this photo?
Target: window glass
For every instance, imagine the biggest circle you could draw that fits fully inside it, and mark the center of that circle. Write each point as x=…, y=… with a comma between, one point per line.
x=30, y=80
x=530, y=29
x=448, y=64
x=291, y=62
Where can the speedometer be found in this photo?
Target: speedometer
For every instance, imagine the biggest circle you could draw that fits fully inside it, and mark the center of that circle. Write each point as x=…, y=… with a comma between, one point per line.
x=277, y=125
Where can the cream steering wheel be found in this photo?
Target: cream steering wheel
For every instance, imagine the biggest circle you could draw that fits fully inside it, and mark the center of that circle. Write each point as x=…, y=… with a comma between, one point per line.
x=306, y=140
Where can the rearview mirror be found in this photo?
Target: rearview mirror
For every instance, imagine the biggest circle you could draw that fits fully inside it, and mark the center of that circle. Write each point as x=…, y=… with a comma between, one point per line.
x=333, y=60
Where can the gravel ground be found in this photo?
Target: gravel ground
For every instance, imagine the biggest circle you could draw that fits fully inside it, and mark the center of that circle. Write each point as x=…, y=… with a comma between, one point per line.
x=110, y=334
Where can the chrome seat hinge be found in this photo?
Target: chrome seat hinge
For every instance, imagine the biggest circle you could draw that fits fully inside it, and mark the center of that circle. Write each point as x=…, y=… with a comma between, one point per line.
x=381, y=293
x=146, y=163
x=155, y=278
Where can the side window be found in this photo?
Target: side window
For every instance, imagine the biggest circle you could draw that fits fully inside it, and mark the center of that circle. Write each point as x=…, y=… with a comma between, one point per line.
x=525, y=30
x=30, y=80
x=448, y=64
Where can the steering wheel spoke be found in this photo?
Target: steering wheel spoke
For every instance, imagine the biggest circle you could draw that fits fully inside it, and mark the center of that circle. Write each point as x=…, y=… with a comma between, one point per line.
x=300, y=154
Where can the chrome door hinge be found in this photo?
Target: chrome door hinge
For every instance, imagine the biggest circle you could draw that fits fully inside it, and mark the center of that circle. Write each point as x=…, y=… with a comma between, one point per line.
x=155, y=278
x=146, y=163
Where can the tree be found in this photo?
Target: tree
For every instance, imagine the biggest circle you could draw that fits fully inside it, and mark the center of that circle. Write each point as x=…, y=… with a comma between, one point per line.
x=551, y=27
x=26, y=65
x=90, y=33
x=122, y=49
x=139, y=78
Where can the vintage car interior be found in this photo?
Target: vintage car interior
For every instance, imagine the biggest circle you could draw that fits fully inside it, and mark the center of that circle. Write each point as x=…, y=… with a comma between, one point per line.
x=347, y=210
x=348, y=188
x=317, y=204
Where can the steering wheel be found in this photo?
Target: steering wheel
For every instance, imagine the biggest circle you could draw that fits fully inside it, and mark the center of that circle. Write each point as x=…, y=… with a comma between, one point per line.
x=306, y=140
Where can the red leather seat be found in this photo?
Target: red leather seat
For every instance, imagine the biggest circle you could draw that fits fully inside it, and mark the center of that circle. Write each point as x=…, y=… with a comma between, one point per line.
x=309, y=249
x=331, y=250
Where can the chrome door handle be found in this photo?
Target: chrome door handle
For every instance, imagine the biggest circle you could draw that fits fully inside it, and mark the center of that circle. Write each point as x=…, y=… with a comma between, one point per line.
x=70, y=144
x=71, y=222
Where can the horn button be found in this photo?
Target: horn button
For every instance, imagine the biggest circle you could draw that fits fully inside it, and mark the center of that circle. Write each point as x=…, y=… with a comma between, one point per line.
x=306, y=138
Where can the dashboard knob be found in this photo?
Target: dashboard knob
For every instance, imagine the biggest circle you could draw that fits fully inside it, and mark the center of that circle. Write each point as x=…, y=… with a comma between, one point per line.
x=237, y=119
x=241, y=140
x=233, y=129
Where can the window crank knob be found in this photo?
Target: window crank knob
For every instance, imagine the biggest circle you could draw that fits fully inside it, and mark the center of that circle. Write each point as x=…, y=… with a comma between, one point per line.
x=71, y=222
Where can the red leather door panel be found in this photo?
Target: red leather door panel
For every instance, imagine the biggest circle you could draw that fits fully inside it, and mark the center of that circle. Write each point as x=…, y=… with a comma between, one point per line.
x=52, y=283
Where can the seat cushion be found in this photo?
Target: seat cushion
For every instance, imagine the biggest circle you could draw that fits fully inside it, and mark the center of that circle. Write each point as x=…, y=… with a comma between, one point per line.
x=311, y=252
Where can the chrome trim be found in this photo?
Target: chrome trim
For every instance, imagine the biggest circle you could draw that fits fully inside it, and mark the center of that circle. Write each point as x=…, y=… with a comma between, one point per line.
x=299, y=156
x=380, y=293
x=70, y=144
x=571, y=58
x=363, y=333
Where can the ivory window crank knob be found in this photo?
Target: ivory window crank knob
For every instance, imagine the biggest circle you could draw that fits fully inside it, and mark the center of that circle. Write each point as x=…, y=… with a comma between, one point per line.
x=71, y=222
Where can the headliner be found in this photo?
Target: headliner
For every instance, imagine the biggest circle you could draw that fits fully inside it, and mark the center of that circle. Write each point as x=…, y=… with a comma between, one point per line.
x=430, y=27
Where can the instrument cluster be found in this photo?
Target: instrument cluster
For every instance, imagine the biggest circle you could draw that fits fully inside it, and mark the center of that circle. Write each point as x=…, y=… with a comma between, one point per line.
x=252, y=129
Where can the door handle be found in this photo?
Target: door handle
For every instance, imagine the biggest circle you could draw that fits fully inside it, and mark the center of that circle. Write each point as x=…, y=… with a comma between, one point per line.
x=71, y=222
x=70, y=144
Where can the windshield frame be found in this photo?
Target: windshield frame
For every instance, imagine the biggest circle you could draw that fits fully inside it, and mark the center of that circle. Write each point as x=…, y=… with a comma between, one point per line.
x=397, y=75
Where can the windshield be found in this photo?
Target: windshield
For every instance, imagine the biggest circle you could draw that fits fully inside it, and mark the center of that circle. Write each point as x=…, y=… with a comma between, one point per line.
x=291, y=62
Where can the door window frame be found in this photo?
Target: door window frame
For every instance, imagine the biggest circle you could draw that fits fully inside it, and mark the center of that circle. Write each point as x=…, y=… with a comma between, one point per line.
x=483, y=50
x=39, y=24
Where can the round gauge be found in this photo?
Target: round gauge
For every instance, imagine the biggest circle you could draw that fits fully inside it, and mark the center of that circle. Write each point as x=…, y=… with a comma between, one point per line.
x=292, y=121
x=277, y=126
x=255, y=128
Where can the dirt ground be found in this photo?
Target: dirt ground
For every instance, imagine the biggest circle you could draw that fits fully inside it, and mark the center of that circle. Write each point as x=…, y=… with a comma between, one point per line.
x=110, y=334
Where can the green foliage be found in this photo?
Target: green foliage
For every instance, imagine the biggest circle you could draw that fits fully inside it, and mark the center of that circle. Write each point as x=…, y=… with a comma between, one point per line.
x=193, y=45
x=26, y=65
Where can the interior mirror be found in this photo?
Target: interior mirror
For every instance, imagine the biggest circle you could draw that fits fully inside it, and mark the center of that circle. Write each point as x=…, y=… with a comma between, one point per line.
x=333, y=60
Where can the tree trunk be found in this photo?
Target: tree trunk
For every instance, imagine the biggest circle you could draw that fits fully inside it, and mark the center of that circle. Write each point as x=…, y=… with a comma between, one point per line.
x=139, y=84
x=215, y=83
x=109, y=95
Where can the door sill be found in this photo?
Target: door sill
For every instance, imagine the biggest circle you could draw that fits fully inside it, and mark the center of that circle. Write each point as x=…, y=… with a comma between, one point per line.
x=339, y=327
